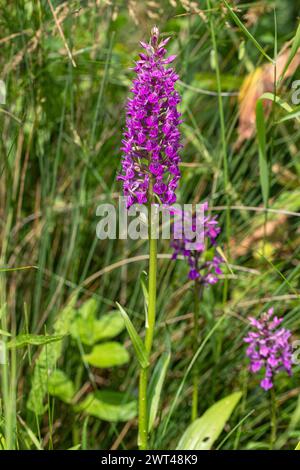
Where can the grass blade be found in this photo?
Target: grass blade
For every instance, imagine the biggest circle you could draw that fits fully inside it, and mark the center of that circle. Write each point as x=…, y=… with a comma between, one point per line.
x=293, y=115
x=155, y=386
x=263, y=162
x=143, y=280
x=138, y=345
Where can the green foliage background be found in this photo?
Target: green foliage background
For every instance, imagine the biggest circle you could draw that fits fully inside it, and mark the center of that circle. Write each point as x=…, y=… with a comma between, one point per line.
x=60, y=133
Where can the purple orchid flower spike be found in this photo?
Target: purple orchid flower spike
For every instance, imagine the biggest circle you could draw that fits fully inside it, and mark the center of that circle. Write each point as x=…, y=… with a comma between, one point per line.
x=269, y=348
x=151, y=140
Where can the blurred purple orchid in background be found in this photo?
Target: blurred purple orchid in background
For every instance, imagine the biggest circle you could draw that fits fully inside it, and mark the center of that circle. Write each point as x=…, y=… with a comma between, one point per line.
x=269, y=347
x=205, y=271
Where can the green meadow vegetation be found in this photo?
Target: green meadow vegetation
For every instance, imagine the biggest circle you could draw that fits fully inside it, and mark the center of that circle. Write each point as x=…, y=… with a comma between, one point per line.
x=72, y=307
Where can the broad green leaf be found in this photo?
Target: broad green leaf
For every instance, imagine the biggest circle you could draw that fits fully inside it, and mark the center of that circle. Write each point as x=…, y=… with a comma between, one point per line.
x=46, y=362
x=156, y=385
x=108, y=326
x=34, y=340
x=109, y=406
x=83, y=330
x=138, y=345
x=107, y=355
x=204, y=431
x=294, y=50
x=263, y=162
x=83, y=325
x=91, y=330
x=88, y=308
x=60, y=386
x=246, y=32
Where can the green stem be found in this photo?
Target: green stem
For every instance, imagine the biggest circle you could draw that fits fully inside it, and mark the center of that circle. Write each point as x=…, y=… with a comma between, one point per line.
x=150, y=327
x=195, y=347
x=143, y=410
x=273, y=419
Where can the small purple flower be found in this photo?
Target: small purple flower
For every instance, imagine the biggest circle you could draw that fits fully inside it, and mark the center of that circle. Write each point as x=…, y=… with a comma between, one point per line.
x=205, y=264
x=151, y=140
x=269, y=347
